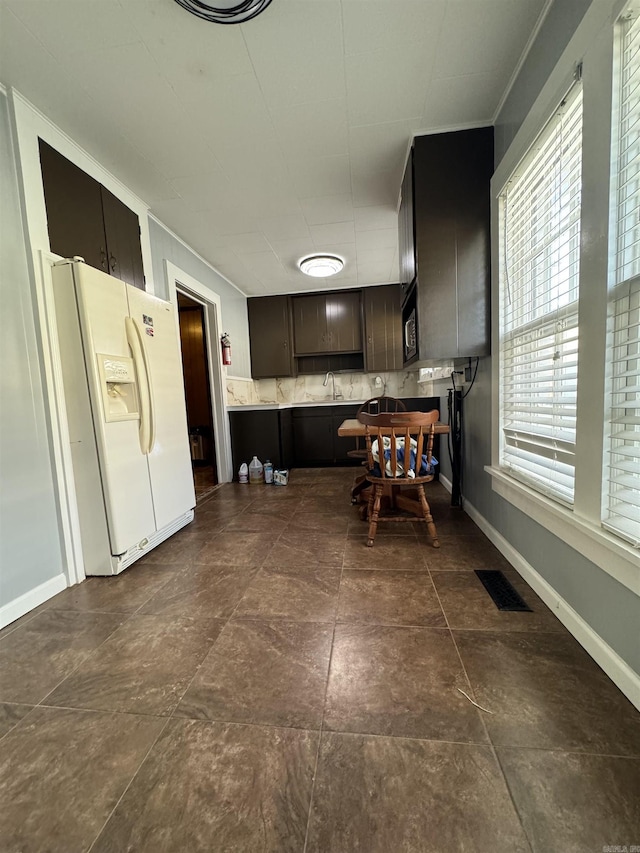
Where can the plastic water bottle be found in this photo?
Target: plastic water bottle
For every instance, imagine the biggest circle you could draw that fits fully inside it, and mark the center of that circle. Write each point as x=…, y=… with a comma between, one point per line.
x=256, y=471
x=268, y=472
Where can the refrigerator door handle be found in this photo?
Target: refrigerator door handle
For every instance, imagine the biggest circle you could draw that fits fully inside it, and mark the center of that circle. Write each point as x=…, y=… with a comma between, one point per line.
x=152, y=405
x=144, y=391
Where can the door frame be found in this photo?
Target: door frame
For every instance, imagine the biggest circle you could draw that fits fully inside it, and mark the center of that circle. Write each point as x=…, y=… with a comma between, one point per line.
x=178, y=281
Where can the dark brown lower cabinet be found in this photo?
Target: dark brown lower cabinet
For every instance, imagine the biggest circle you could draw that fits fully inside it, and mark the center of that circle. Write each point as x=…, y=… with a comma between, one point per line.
x=265, y=434
x=303, y=436
x=315, y=436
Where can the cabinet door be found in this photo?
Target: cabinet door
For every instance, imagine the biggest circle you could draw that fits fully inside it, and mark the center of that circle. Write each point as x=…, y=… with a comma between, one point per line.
x=255, y=433
x=313, y=438
x=344, y=321
x=383, y=328
x=269, y=336
x=452, y=173
x=74, y=209
x=310, y=324
x=122, y=229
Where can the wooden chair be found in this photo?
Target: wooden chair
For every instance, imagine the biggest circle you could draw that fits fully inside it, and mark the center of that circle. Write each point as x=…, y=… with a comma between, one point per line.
x=374, y=406
x=402, y=470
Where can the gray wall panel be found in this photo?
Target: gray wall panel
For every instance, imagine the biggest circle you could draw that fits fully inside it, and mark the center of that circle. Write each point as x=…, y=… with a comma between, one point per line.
x=30, y=546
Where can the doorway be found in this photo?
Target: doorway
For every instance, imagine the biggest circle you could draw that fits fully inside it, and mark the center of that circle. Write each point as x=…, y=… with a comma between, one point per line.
x=197, y=388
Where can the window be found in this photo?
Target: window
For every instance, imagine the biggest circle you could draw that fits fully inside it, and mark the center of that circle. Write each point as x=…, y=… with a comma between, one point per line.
x=539, y=277
x=621, y=501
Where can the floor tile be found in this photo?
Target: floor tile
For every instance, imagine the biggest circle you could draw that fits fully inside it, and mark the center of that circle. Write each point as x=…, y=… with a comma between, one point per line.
x=272, y=673
x=573, y=803
x=298, y=594
x=215, y=787
x=389, y=598
x=545, y=691
x=235, y=549
x=467, y=604
x=318, y=523
x=458, y=553
x=296, y=547
x=202, y=592
x=329, y=505
x=395, y=552
x=179, y=548
x=360, y=528
x=271, y=522
x=10, y=716
x=399, y=681
x=143, y=668
x=37, y=656
x=390, y=794
x=123, y=593
x=63, y=772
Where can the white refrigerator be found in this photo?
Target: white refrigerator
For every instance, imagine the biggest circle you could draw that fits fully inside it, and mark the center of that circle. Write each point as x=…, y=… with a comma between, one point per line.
x=125, y=403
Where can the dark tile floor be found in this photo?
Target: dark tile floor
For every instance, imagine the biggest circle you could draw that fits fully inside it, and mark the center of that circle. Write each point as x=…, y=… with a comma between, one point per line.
x=263, y=681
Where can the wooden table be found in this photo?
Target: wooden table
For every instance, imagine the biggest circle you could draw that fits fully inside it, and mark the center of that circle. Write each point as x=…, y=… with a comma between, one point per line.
x=353, y=428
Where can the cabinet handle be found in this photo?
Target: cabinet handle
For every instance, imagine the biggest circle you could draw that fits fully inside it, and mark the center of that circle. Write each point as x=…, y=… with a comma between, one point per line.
x=113, y=263
x=285, y=344
x=103, y=258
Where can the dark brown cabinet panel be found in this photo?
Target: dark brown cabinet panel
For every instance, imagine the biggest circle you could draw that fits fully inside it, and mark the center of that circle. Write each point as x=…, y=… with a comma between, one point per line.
x=383, y=328
x=265, y=434
x=85, y=219
x=406, y=233
x=270, y=336
x=451, y=175
x=122, y=230
x=328, y=322
x=74, y=209
x=315, y=436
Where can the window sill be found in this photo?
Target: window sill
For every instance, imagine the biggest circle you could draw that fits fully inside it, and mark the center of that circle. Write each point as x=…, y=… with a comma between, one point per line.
x=612, y=555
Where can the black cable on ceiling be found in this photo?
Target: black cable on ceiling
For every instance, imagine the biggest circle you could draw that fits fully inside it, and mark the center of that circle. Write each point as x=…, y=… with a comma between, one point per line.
x=238, y=14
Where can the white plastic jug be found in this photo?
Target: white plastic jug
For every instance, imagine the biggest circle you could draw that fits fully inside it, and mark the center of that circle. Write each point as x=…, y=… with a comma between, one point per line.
x=243, y=473
x=256, y=471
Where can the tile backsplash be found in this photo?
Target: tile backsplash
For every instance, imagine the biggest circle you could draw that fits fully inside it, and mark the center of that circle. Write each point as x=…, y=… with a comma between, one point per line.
x=308, y=389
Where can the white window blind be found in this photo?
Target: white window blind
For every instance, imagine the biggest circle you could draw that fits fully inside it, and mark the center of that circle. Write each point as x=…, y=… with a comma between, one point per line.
x=539, y=276
x=621, y=504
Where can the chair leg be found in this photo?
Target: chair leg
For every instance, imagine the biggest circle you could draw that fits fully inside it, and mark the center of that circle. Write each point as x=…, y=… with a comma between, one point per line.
x=374, y=513
x=426, y=510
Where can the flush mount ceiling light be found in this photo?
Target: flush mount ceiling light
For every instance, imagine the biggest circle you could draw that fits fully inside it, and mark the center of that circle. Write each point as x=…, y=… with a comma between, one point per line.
x=225, y=11
x=321, y=266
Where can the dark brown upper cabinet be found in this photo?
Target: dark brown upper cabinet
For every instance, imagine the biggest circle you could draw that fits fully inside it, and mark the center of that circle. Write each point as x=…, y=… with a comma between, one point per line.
x=383, y=328
x=329, y=322
x=406, y=233
x=270, y=336
x=451, y=175
x=85, y=219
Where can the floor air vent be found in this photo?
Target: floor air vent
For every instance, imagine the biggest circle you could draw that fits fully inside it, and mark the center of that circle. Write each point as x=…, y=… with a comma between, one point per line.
x=501, y=591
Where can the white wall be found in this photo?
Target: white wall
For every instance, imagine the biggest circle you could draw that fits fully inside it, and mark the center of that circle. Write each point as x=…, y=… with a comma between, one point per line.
x=30, y=544
x=233, y=303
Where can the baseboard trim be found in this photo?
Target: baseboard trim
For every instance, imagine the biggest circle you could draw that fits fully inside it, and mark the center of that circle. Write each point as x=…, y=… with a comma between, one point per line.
x=24, y=603
x=618, y=670
x=446, y=483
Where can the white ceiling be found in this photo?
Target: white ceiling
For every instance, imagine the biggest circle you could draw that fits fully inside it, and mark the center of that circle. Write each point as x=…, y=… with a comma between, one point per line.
x=261, y=142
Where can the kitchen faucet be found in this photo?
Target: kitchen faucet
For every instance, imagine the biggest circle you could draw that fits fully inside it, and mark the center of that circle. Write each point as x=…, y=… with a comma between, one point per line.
x=334, y=396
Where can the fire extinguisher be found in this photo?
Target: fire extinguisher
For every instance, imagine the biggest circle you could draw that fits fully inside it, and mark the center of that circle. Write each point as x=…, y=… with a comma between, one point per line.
x=226, y=348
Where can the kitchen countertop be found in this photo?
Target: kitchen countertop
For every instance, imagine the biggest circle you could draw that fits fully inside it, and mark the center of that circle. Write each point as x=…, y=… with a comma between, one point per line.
x=263, y=407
